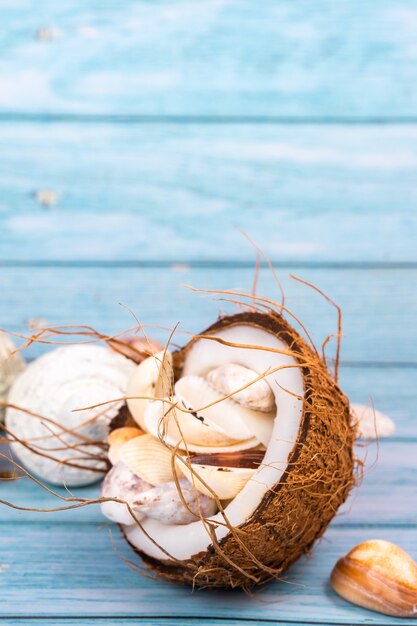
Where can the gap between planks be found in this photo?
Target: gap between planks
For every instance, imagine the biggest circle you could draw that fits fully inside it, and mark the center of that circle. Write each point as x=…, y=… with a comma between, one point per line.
x=206, y=264
x=112, y=118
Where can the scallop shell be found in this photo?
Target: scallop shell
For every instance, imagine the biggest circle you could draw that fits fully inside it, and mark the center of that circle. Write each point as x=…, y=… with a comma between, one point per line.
x=257, y=396
x=53, y=387
x=149, y=459
x=235, y=420
x=11, y=365
x=225, y=482
x=121, y=483
x=153, y=378
x=118, y=437
x=185, y=431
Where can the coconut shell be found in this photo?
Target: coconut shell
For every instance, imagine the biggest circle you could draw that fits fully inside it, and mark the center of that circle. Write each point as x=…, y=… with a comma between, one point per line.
x=297, y=511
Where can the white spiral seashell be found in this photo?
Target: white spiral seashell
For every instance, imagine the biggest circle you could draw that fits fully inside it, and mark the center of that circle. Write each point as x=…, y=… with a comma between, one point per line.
x=11, y=365
x=53, y=387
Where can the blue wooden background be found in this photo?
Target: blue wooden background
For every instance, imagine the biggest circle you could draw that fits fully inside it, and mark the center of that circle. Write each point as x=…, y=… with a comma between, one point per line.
x=134, y=138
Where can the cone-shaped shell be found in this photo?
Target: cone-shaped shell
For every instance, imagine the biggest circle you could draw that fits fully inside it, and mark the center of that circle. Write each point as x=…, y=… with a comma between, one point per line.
x=149, y=459
x=379, y=576
x=153, y=378
x=11, y=365
x=307, y=471
x=62, y=442
x=118, y=437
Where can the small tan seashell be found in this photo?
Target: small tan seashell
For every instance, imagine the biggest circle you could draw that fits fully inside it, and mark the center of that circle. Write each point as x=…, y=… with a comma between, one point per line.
x=10, y=367
x=153, y=378
x=221, y=474
x=136, y=348
x=118, y=437
x=370, y=423
x=380, y=576
x=257, y=396
x=149, y=459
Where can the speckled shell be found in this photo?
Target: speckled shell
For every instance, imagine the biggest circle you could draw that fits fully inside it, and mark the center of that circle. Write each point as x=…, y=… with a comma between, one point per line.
x=53, y=386
x=10, y=368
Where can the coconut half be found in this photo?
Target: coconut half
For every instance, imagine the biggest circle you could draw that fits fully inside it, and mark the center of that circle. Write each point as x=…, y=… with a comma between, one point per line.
x=305, y=475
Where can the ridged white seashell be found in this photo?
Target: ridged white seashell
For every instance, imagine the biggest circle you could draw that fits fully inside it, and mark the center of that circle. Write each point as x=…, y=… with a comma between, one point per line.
x=257, y=396
x=118, y=437
x=183, y=429
x=149, y=459
x=165, y=504
x=217, y=477
x=370, y=423
x=53, y=387
x=235, y=420
x=123, y=484
x=11, y=365
x=153, y=378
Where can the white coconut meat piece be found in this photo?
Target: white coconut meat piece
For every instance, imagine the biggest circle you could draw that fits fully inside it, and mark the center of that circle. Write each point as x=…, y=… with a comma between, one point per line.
x=54, y=386
x=11, y=365
x=153, y=378
x=370, y=423
x=288, y=388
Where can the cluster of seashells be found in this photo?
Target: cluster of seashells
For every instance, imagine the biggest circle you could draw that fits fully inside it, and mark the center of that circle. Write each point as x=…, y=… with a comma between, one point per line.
x=196, y=442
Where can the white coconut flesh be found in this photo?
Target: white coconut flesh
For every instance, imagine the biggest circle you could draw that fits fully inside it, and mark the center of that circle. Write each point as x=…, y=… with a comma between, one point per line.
x=182, y=542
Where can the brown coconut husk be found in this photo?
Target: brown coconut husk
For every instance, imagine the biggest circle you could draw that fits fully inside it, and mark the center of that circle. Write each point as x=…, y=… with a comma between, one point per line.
x=297, y=511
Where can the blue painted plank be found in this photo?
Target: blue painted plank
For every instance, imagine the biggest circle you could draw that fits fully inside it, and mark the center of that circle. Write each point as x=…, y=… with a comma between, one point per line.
x=390, y=467
x=158, y=621
x=177, y=192
x=348, y=58
x=379, y=307
x=73, y=571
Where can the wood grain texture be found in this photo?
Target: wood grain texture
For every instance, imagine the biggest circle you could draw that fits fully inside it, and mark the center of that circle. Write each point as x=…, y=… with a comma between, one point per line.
x=177, y=192
x=379, y=307
x=221, y=58
x=74, y=572
x=390, y=467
